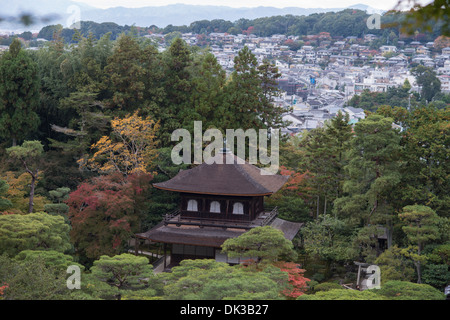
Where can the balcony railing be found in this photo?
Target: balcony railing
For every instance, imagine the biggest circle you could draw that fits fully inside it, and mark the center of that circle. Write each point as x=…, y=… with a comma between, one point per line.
x=203, y=219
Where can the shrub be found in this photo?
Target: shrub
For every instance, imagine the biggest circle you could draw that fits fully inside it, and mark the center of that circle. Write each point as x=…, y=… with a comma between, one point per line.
x=404, y=290
x=326, y=286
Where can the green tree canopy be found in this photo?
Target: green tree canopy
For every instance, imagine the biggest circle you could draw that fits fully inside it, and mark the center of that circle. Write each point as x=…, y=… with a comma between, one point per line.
x=51, y=258
x=421, y=226
x=339, y=294
x=373, y=172
x=34, y=231
x=204, y=279
x=265, y=244
x=122, y=271
x=32, y=279
x=19, y=94
x=428, y=82
x=4, y=203
x=404, y=290
x=327, y=238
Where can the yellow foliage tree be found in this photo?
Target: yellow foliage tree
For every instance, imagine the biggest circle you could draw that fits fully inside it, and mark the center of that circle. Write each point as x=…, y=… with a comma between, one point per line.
x=130, y=149
x=18, y=193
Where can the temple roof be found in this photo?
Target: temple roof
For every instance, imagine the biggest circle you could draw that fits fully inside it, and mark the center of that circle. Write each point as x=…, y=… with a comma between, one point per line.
x=209, y=236
x=230, y=176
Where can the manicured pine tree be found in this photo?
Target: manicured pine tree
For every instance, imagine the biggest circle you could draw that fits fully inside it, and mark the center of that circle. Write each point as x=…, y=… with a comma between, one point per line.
x=421, y=226
x=28, y=155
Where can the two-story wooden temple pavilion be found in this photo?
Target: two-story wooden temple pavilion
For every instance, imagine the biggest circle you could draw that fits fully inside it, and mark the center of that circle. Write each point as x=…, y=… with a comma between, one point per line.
x=218, y=201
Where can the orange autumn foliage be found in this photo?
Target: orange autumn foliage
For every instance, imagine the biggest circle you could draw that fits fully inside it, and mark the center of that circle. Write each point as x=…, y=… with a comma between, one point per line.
x=296, y=279
x=296, y=178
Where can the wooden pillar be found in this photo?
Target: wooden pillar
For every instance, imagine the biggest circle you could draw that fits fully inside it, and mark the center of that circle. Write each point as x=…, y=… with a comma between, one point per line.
x=136, y=246
x=253, y=208
x=227, y=209
x=165, y=258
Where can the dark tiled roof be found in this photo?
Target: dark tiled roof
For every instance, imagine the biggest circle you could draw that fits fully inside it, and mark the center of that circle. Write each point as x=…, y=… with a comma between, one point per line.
x=207, y=236
x=210, y=236
x=290, y=229
x=233, y=176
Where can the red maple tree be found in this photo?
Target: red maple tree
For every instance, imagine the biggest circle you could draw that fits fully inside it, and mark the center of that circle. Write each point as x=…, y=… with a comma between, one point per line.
x=104, y=212
x=296, y=279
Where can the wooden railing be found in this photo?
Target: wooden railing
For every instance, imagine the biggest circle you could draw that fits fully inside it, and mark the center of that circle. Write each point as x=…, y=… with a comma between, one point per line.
x=169, y=216
x=270, y=217
x=206, y=215
x=175, y=217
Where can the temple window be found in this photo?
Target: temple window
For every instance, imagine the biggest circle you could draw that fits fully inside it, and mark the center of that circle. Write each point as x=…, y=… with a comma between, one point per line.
x=215, y=207
x=192, y=205
x=238, y=208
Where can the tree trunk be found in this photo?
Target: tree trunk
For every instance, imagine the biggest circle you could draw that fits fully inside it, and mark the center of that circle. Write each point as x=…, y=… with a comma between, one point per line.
x=318, y=203
x=33, y=183
x=418, y=266
x=419, y=275
x=328, y=268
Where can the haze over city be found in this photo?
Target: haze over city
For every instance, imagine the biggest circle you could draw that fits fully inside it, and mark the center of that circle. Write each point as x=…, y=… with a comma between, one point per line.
x=378, y=4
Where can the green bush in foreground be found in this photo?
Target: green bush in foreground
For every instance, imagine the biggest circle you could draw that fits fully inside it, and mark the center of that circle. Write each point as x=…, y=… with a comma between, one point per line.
x=391, y=290
x=342, y=294
x=404, y=290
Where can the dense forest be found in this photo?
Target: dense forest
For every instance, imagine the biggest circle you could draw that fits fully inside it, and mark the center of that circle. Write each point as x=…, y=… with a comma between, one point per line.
x=85, y=130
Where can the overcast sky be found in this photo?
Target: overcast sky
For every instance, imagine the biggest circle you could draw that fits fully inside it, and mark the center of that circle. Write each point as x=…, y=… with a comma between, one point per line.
x=378, y=4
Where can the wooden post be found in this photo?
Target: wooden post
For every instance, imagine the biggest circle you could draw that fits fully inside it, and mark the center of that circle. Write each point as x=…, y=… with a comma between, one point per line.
x=165, y=257
x=359, y=274
x=227, y=209
x=136, y=246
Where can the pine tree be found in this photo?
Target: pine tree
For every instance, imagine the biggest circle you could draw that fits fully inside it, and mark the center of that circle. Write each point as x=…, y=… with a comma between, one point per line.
x=125, y=76
x=243, y=93
x=323, y=158
x=28, y=154
x=373, y=172
x=206, y=100
x=425, y=177
x=177, y=85
x=271, y=114
x=421, y=226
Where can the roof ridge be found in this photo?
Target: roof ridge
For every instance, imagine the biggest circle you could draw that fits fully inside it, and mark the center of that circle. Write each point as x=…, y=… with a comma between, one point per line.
x=240, y=168
x=215, y=177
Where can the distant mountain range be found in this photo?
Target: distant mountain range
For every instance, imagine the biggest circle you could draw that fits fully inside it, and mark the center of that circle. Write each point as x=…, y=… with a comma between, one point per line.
x=63, y=11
